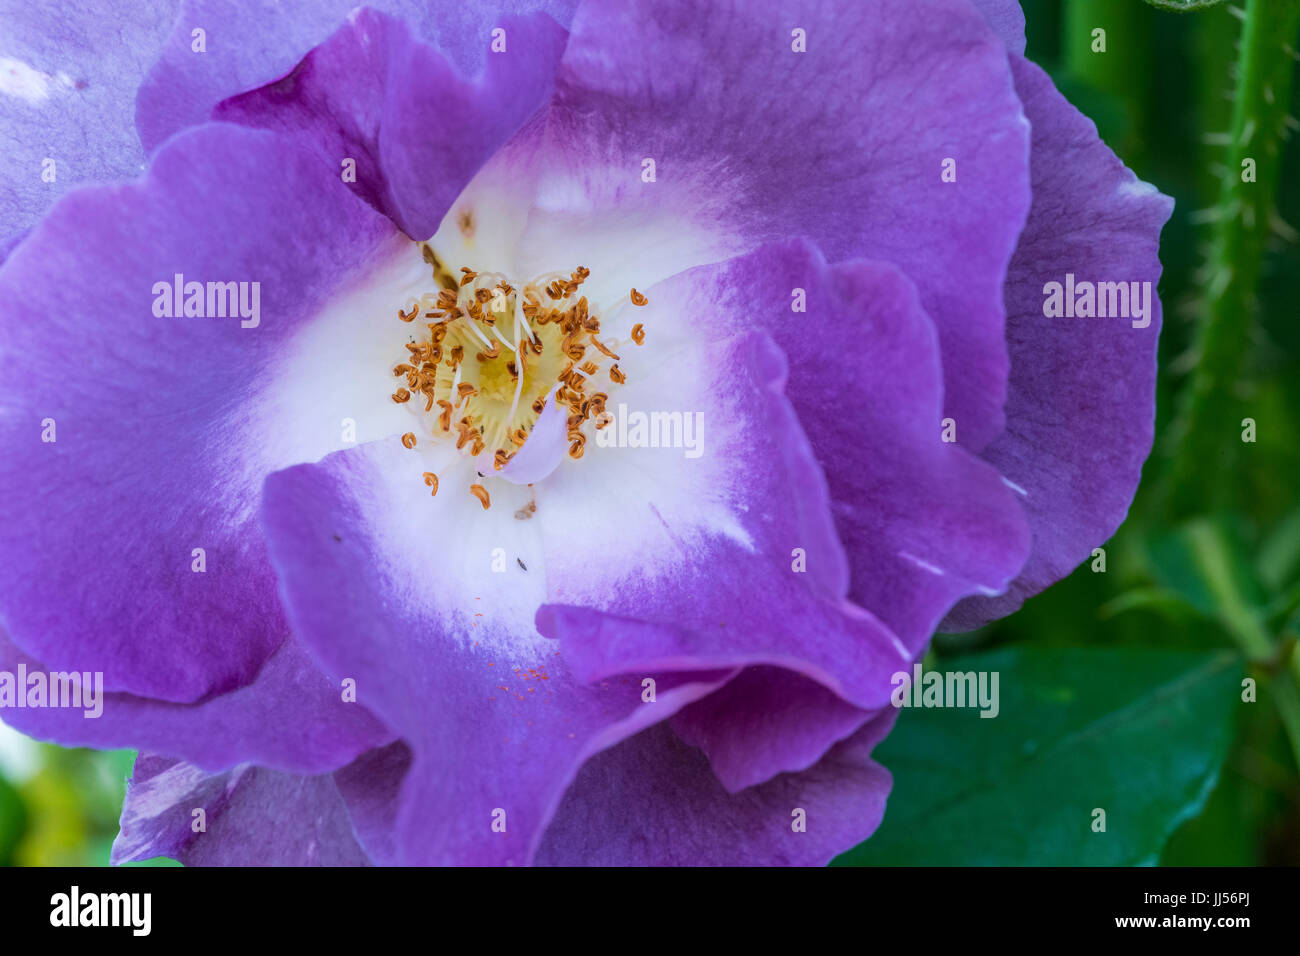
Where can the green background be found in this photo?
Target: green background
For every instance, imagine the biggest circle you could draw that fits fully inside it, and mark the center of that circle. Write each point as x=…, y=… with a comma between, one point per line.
x=1120, y=691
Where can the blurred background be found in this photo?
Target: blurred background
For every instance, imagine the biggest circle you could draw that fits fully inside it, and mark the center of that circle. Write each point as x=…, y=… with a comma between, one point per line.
x=1160, y=688
x=58, y=807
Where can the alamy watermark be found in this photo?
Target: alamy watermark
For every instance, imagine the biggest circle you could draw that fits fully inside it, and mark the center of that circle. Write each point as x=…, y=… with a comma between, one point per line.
x=950, y=689
x=132, y=911
x=624, y=429
x=179, y=298
x=59, y=689
x=1102, y=300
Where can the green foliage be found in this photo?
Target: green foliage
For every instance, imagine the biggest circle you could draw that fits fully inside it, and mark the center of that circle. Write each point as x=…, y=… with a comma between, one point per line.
x=1139, y=734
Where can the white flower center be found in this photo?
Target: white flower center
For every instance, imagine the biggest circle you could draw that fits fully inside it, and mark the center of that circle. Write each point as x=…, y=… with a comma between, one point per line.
x=488, y=357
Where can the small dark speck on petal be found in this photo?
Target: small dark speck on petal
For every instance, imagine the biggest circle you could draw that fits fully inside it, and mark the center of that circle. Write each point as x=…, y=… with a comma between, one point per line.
x=521, y=563
x=337, y=538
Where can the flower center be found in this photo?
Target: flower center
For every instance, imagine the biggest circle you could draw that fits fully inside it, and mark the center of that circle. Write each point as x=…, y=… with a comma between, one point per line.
x=494, y=355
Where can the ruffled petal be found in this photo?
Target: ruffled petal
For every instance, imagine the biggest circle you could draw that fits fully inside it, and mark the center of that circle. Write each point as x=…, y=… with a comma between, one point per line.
x=250, y=817
x=135, y=438
x=924, y=522
x=291, y=717
x=723, y=553
x=267, y=396
x=766, y=721
x=753, y=142
x=252, y=42
x=416, y=131
x=652, y=801
x=371, y=787
x=1081, y=404
x=427, y=602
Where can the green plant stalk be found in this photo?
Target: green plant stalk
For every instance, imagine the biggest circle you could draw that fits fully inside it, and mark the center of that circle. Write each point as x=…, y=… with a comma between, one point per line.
x=1207, y=429
x=1123, y=70
x=1247, y=631
x=1208, y=426
x=1111, y=71
x=1213, y=51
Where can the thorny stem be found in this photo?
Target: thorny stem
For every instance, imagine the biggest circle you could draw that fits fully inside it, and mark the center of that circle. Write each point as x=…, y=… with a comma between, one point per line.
x=1207, y=430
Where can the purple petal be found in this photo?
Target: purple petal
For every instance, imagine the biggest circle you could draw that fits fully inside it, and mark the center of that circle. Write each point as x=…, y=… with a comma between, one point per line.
x=395, y=589
x=754, y=142
x=250, y=817
x=1081, y=404
x=291, y=717
x=660, y=561
x=924, y=522
x=652, y=801
x=371, y=787
x=416, y=131
x=253, y=42
x=9, y=245
x=766, y=721
x=164, y=427
x=1007, y=20
x=63, y=99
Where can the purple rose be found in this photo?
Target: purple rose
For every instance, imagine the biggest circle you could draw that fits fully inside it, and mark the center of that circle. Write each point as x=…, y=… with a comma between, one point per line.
x=541, y=437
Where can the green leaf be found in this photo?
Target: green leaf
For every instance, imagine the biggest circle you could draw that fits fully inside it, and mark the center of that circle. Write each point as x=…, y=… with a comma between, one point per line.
x=1252, y=798
x=1138, y=733
x=1204, y=561
x=1171, y=603
x=1279, y=555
